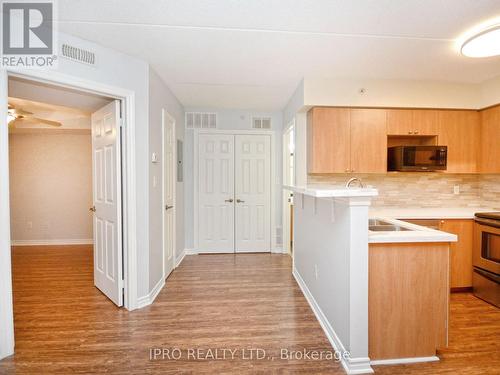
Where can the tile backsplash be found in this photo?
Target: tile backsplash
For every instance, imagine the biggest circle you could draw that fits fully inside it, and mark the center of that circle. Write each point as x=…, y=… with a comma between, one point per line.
x=425, y=189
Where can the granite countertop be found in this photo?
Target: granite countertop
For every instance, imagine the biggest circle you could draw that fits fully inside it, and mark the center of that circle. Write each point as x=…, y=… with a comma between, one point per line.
x=331, y=191
x=417, y=233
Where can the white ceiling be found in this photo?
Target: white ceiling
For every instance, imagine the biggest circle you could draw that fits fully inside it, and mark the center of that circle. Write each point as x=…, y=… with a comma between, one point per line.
x=252, y=54
x=55, y=95
x=70, y=118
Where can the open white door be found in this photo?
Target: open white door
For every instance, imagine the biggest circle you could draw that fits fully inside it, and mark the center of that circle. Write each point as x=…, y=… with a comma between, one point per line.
x=168, y=193
x=253, y=193
x=106, y=172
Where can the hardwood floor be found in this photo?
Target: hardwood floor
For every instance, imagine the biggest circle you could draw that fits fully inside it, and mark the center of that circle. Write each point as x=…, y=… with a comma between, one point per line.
x=65, y=325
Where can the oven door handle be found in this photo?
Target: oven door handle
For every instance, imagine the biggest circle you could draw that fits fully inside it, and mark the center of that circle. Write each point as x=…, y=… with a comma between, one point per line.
x=487, y=222
x=489, y=275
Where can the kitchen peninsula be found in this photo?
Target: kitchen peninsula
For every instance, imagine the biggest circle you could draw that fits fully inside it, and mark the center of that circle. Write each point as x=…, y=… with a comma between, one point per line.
x=379, y=287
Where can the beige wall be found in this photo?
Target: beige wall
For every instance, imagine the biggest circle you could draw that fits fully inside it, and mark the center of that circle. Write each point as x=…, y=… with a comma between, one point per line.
x=391, y=93
x=426, y=189
x=51, y=187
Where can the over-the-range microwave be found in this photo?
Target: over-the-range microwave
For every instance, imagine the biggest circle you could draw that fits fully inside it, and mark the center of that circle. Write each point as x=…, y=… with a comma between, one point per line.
x=417, y=158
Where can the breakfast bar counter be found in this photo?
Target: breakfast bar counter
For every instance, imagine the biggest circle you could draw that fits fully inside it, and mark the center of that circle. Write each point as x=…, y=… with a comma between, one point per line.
x=378, y=285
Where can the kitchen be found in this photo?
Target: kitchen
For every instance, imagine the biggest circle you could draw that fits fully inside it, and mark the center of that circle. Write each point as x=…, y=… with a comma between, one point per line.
x=398, y=209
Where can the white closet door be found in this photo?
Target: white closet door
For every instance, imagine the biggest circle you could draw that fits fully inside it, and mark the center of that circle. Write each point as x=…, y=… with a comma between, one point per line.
x=216, y=193
x=107, y=201
x=253, y=193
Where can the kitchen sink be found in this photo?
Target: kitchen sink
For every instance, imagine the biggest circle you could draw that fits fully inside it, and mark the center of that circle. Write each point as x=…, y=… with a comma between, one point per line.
x=387, y=228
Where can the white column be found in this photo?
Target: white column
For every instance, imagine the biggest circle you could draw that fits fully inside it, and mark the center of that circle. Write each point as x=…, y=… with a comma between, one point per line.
x=359, y=361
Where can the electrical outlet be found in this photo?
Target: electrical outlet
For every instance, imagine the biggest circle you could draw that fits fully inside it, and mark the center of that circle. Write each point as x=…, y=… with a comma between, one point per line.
x=456, y=189
x=316, y=271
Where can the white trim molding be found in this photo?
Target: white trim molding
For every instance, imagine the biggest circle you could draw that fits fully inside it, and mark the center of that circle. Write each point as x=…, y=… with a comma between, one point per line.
x=148, y=299
x=278, y=250
x=181, y=257
x=397, y=361
x=351, y=365
x=56, y=242
x=6, y=306
x=129, y=198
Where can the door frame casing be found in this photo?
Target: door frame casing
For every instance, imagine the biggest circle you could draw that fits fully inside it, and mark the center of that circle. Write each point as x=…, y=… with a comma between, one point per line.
x=164, y=116
x=129, y=197
x=286, y=214
x=270, y=133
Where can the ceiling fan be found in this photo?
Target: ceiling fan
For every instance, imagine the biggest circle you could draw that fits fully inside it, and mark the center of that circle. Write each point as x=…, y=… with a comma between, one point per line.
x=17, y=116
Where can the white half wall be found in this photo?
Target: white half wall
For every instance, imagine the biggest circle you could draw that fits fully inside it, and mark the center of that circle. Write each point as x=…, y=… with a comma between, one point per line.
x=50, y=187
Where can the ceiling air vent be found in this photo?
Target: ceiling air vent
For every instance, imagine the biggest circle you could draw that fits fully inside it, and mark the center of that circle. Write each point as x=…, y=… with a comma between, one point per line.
x=201, y=120
x=78, y=54
x=261, y=122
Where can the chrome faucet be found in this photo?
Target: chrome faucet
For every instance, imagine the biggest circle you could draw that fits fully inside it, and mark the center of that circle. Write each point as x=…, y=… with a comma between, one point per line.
x=354, y=179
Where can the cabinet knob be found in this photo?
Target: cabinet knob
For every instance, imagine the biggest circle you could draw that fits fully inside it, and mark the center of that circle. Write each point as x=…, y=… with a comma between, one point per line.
x=347, y=170
x=410, y=132
x=416, y=131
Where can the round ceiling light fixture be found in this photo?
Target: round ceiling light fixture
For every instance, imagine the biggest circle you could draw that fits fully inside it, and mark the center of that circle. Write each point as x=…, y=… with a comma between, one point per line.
x=485, y=43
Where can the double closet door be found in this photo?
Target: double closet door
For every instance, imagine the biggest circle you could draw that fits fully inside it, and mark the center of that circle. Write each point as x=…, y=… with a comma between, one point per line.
x=234, y=193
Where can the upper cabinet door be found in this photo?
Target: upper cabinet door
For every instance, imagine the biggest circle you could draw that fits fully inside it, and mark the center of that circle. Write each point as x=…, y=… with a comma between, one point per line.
x=425, y=121
x=399, y=122
x=368, y=141
x=459, y=130
x=490, y=140
x=328, y=140
x=412, y=122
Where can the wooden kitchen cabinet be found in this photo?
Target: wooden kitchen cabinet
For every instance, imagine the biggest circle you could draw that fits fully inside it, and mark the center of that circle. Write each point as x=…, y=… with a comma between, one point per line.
x=460, y=131
x=460, y=251
x=489, y=146
x=368, y=141
x=328, y=140
x=399, y=122
x=343, y=140
x=412, y=122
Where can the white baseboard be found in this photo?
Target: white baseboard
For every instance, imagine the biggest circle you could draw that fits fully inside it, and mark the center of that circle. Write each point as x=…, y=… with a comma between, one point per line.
x=190, y=252
x=278, y=250
x=57, y=242
x=149, y=298
x=397, y=361
x=351, y=365
x=179, y=259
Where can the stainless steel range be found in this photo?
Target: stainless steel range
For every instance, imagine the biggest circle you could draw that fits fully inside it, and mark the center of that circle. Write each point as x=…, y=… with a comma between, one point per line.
x=486, y=257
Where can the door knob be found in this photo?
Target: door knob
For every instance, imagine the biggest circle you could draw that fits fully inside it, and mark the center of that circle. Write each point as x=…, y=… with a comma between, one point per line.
x=167, y=207
x=92, y=209
x=230, y=200
x=239, y=201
